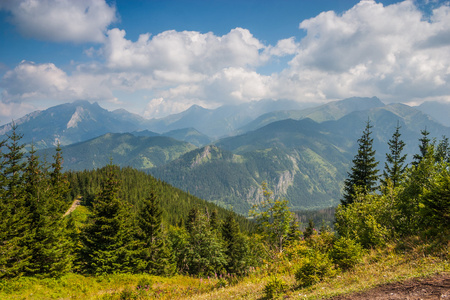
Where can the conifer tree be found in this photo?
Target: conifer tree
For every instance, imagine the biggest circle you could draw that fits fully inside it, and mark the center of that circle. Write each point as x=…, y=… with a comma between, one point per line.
x=214, y=220
x=309, y=230
x=206, y=253
x=394, y=167
x=423, y=147
x=363, y=173
x=236, y=248
x=106, y=235
x=294, y=233
x=15, y=233
x=192, y=219
x=49, y=247
x=155, y=256
x=442, y=152
x=59, y=184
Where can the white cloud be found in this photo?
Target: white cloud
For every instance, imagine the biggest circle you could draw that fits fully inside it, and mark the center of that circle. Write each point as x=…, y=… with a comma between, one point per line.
x=30, y=82
x=182, y=56
x=373, y=49
x=61, y=20
x=394, y=52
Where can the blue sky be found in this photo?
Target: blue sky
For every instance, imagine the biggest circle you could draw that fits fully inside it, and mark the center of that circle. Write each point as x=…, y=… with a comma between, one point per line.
x=155, y=58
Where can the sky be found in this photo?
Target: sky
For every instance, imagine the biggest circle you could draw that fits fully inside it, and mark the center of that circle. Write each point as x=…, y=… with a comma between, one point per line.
x=159, y=57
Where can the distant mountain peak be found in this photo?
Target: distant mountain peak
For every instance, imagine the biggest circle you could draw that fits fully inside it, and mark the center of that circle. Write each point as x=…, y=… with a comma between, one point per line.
x=76, y=117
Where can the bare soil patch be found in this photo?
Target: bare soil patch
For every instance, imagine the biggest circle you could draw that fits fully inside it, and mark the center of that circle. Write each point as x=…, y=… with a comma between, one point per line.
x=436, y=287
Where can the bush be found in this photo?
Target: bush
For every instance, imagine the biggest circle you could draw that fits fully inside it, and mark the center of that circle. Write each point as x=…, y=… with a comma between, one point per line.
x=275, y=287
x=368, y=220
x=346, y=253
x=314, y=268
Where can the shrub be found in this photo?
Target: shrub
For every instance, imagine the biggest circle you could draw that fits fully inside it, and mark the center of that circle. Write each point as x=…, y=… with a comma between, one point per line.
x=275, y=287
x=314, y=268
x=346, y=253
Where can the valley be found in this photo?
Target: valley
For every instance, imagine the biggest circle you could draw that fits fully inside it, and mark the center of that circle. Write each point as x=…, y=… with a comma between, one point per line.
x=303, y=154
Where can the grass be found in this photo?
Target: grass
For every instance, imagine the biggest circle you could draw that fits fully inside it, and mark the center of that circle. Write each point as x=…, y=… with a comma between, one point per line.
x=413, y=258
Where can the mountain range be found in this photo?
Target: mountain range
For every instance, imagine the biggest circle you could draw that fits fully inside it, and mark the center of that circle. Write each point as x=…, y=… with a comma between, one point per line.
x=303, y=154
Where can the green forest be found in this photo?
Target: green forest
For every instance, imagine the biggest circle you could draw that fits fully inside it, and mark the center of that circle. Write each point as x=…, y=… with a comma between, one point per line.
x=135, y=237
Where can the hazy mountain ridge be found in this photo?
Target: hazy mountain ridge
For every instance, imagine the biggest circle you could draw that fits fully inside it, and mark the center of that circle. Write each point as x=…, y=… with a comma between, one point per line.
x=70, y=123
x=440, y=111
x=330, y=111
x=80, y=121
x=303, y=160
x=223, y=120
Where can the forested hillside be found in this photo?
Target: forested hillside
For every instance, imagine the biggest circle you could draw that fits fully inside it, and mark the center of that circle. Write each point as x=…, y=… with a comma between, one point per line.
x=133, y=234
x=136, y=185
x=124, y=149
x=303, y=160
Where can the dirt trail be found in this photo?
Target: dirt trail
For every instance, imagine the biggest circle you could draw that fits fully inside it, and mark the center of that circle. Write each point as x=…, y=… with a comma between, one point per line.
x=74, y=205
x=436, y=287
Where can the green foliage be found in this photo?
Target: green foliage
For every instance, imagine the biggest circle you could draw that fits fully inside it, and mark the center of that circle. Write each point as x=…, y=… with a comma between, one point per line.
x=368, y=220
x=273, y=217
x=15, y=231
x=346, y=253
x=394, y=167
x=423, y=147
x=363, y=175
x=33, y=239
x=134, y=188
x=155, y=257
x=435, y=202
x=275, y=287
x=315, y=267
x=309, y=230
x=236, y=247
x=107, y=235
x=204, y=254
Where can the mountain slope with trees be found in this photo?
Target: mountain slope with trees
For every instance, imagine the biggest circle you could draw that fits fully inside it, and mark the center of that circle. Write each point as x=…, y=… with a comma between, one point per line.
x=124, y=149
x=302, y=160
x=139, y=232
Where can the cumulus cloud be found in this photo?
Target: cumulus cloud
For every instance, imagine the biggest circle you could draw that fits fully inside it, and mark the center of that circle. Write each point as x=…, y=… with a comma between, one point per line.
x=389, y=51
x=29, y=82
x=395, y=52
x=182, y=56
x=61, y=20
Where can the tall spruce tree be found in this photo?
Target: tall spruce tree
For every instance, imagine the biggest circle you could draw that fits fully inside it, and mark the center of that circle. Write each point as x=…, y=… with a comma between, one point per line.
x=106, y=236
x=364, y=171
x=156, y=257
x=394, y=167
x=15, y=233
x=423, y=147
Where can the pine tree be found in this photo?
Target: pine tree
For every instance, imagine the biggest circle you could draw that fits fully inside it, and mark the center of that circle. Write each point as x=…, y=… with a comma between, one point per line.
x=394, y=167
x=49, y=245
x=214, y=220
x=204, y=254
x=236, y=248
x=442, y=153
x=106, y=235
x=363, y=174
x=15, y=233
x=156, y=257
x=423, y=147
x=192, y=219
